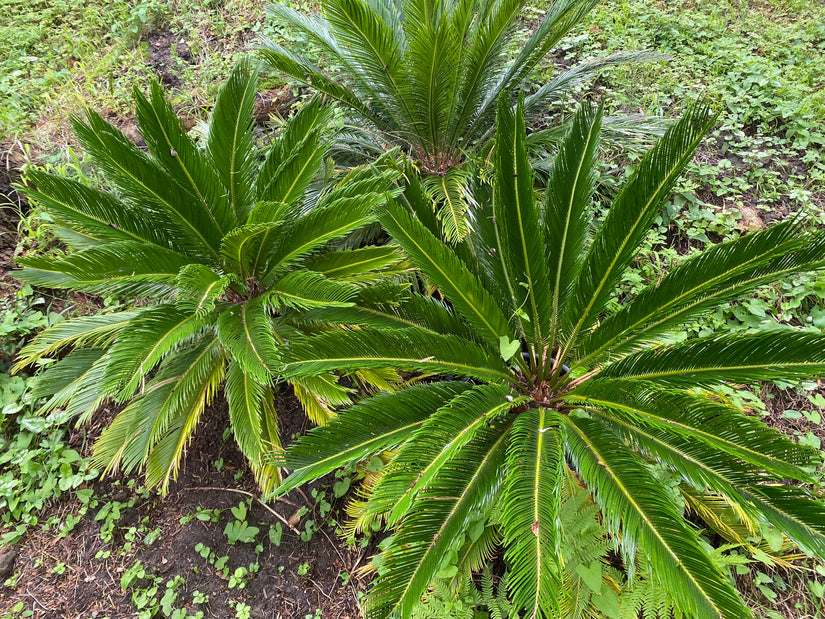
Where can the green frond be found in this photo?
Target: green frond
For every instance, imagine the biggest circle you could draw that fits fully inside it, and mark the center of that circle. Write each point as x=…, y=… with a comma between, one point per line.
x=380, y=312
x=444, y=270
x=153, y=334
x=295, y=240
x=432, y=77
x=198, y=288
x=123, y=268
x=304, y=72
x=563, y=83
x=85, y=331
x=437, y=519
x=165, y=457
x=530, y=512
x=522, y=241
x=230, y=143
x=62, y=382
x=630, y=215
x=560, y=17
x=180, y=388
x=252, y=415
x=633, y=502
x=404, y=349
x=354, y=264
x=241, y=248
x=794, y=512
x=245, y=330
x=711, y=277
x=713, y=360
x=305, y=289
x=437, y=442
x=698, y=418
x=364, y=35
x=452, y=199
x=143, y=181
x=97, y=214
x=566, y=212
x=173, y=150
x=296, y=157
x=484, y=59
x=320, y=396
x=370, y=426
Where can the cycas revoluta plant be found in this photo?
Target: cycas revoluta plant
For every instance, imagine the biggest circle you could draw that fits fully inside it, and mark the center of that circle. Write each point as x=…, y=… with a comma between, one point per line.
x=215, y=245
x=425, y=75
x=549, y=380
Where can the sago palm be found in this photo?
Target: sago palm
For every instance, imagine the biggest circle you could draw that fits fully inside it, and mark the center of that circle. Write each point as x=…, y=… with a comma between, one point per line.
x=425, y=75
x=537, y=377
x=211, y=245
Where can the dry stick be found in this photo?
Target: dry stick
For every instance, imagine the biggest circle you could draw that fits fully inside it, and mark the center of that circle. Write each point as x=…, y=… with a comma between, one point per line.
x=38, y=602
x=249, y=494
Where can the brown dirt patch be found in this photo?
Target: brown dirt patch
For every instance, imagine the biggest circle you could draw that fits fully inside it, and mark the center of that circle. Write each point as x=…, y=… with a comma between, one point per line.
x=295, y=579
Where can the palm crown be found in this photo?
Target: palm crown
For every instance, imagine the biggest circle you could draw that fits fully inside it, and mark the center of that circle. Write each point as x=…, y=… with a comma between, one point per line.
x=537, y=378
x=426, y=75
x=217, y=244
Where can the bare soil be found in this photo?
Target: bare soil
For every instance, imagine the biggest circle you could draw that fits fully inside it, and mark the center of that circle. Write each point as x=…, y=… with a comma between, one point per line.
x=91, y=587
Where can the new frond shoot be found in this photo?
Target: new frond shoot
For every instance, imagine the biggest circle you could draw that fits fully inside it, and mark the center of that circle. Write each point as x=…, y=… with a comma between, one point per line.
x=222, y=243
x=538, y=377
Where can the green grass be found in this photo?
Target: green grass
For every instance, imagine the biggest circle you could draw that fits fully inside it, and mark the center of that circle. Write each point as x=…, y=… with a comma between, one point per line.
x=60, y=56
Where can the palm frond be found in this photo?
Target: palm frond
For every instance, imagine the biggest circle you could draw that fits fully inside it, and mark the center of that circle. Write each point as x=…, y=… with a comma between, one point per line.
x=793, y=511
x=85, y=331
x=296, y=156
x=716, y=359
x=173, y=150
x=449, y=193
x=122, y=268
x=297, y=239
x=629, y=217
x=522, y=242
x=244, y=329
x=711, y=277
x=566, y=212
x=436, y=442
x=164, y=459
x=179, y=386
x=558, y=20
x=143, y=181
x=320, y=396
x=149, y=337
x=697, y=418
x=631, y=500
x=247, y=400
x=304, y=72
x=445, y=271
x=530, y=512
x=366, y=38
x=567, y=80
x=61, y=382
x=405, y=349
x=230, y=144
x=97, y=214
x=198, y=289
x=305, y=289
x=371, y=426
x=436, y=520
x=354, y=264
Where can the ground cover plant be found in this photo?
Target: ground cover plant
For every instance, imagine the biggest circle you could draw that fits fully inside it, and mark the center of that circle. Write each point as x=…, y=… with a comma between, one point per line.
x=426, y=76
x=216, y=243
x=553, y=382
